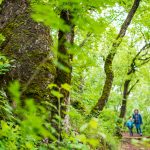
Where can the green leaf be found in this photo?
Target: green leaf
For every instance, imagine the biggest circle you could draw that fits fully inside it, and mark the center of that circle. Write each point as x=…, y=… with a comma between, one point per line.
x=14, y=89
x=52, y=85
x=66, y=86
x=57, y=94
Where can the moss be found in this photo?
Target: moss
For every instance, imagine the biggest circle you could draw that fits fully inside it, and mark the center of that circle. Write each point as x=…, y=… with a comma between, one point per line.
x=28, y=42
x=49, y=67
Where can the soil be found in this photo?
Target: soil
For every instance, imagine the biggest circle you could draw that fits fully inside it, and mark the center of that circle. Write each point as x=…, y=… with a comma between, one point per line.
x=127, y=142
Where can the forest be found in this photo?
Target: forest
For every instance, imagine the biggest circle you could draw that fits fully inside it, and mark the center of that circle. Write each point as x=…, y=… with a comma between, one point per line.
x=74, y=75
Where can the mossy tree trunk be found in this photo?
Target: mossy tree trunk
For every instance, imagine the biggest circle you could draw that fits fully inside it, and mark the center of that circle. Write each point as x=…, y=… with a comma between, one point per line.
x=109, y=60
x=65, y=40
x=124, y=99
x=64, y=58
x=142, y=57
x=28, y=44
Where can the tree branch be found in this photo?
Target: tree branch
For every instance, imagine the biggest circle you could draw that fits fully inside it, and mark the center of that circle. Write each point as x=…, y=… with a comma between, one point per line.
x=128, y=19
x=132, y=87
x=84, y=41
x=144, y=37
x=133, y=64
x=144, y=62
x=144, y=59
x=109, y=60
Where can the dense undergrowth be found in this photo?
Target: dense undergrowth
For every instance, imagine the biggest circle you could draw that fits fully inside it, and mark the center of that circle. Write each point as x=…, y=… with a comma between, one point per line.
x=27, y=127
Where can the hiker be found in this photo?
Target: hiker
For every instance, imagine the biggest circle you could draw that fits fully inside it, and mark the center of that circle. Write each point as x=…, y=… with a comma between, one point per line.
x=130, y=124
x=137, y=121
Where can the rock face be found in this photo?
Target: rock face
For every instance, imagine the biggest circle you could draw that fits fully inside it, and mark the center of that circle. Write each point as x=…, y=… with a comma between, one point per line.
x=28, y=44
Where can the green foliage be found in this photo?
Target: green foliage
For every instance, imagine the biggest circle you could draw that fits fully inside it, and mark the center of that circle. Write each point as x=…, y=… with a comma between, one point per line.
x=28, y=129
x=2, y=38
x=97, y=132
x=5, y=109
x=25, y=123
x=45, y=13
x=4, y=64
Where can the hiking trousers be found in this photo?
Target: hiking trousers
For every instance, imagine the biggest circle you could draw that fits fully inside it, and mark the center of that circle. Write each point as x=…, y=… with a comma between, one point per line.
x=130, y=131
x=138, y=128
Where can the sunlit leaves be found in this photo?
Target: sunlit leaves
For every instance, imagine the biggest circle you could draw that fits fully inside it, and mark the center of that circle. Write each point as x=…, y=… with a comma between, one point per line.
x=66, y=86
x=62, y=66
x=2, y=38
x=88, y=23
x=82, y=11
x=31, y=126
x=5, y=129
x=14, y=90
x=1, y=1
x=56, y=94
x=47, y=15
x=52, y=86
x=93, y=123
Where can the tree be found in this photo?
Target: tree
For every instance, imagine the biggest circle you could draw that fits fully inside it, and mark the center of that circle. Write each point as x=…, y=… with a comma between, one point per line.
x=64, y=58
x=141, y=58
x=27, y=43
x=64, y=68
x=109, y=60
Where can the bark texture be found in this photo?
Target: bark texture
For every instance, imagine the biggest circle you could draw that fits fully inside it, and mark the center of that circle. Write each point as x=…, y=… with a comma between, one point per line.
x=65, y=40
x=124, y=99
x=63, y=70
x=28, y=44
x=109, y=60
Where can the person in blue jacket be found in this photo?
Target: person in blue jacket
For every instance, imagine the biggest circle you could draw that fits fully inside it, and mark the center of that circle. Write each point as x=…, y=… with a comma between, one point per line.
x=130, y=124
x=137, y=121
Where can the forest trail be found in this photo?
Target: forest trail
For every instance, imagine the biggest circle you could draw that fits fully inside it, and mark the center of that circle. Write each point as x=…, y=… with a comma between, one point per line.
x=126, y=143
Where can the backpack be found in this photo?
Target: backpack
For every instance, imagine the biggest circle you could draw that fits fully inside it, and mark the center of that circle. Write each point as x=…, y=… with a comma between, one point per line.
x=130, y=124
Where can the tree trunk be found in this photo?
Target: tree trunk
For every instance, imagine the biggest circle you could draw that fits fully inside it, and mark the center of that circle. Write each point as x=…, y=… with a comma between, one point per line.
x=139, y=56
x=63, y=75
x=124, y=99
x=107, y=86
x=64, y=58
x=109, y=60
x=28, y=44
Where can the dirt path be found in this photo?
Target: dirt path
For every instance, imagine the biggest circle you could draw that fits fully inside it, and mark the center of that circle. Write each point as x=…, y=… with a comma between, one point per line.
x=127, y=144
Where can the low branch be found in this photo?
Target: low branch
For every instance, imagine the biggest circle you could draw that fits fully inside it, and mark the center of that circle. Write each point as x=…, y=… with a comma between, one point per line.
x=143, y=36
x=132, y=87
x=145, y=62
x=133, y=63
x=144, y=59
x=85, y=40
x=146, y=46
